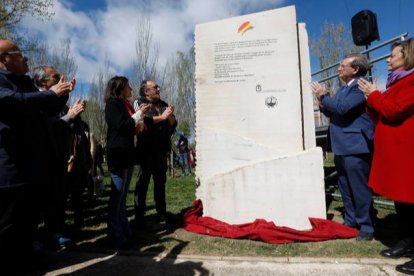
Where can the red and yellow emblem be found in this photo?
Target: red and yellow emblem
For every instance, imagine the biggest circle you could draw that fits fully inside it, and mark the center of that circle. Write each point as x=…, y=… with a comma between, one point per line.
x=244, y=27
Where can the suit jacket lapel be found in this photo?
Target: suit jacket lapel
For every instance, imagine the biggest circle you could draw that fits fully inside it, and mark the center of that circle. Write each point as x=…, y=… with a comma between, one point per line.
x=341, y=92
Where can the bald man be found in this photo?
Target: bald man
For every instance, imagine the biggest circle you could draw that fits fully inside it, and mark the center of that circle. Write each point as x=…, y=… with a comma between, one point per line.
x=20, y=105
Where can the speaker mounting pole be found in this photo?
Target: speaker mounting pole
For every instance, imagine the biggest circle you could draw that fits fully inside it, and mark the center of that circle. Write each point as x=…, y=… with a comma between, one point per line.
x=370, y=68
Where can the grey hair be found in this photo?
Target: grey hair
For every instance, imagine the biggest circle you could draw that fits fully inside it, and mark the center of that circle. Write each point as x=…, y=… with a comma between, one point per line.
x=143, y=87
x=361, y=62
x=39, y=74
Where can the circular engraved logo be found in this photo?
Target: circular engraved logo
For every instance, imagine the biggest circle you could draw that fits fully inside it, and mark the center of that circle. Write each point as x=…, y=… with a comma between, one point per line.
x=271, y=101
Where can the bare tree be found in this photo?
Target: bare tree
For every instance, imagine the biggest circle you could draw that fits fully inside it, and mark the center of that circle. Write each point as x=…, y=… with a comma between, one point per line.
x=63, y=60
x=12, y=11
x=60, y=58
x=38, y=54
x=146, y=50
x=331, y=46
x=95, y=110
x=180, y=84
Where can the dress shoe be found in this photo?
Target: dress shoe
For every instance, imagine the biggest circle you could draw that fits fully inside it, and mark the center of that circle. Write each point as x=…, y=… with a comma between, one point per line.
x=407, y=268
x=365, y=236
x=403, y=248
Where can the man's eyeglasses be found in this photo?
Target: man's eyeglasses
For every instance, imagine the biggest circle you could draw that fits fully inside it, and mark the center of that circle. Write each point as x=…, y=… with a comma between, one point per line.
x=17, y=53
x=341, y=65
x=156, y=87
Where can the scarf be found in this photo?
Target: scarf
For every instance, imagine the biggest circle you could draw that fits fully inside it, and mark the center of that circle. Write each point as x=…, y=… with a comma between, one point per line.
x=129, y=107
x=131, y=111
x=398, y=74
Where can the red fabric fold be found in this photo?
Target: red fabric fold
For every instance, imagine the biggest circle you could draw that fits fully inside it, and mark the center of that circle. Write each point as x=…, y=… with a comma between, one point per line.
x=262, y=230
x=131, y=112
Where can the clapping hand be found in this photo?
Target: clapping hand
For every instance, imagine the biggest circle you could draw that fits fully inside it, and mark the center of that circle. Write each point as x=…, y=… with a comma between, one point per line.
x=168, y=111
x=77, y=108
x=62, y=88
x=144, y=108
x=366, y=86
x=172, y=107
x=318, y=89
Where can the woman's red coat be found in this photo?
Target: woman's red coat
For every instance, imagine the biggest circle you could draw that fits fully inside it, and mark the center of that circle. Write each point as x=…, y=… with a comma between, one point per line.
x=392, y=172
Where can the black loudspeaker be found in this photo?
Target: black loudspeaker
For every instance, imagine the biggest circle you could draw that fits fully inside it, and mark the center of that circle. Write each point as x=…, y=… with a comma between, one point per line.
x=364, y=27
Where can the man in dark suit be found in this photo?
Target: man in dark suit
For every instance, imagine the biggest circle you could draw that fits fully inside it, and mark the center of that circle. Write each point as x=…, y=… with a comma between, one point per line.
x=350, y=136
x=20, y=155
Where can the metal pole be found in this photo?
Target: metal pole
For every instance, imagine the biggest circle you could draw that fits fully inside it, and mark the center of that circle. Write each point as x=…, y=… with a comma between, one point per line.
x=397, y=38
x=325, y=69
x=369, y=70
x=379, y=202
x=400, y=37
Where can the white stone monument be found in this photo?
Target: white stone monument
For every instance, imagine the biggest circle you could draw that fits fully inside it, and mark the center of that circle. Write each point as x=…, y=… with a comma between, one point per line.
x=256, y=150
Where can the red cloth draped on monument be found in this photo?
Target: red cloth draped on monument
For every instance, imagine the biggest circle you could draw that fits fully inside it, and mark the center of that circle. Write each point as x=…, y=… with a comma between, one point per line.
x=262, y=230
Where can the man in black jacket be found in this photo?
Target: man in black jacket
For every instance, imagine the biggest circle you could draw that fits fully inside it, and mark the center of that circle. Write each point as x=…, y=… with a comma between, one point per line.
x=20, y=156
x=56, y=189
x=153, y=145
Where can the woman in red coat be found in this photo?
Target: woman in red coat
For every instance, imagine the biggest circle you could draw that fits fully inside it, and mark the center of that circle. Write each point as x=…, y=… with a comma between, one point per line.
x=392, y=172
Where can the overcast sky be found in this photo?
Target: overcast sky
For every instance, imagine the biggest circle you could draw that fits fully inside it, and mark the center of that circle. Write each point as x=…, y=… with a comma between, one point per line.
x=100, y=29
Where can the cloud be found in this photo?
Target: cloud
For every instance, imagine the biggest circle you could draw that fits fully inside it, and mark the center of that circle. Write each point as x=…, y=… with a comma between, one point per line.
x=109, y=32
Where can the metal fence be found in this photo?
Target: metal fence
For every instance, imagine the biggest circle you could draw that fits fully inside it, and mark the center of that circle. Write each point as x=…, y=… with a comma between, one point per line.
x=366, y=51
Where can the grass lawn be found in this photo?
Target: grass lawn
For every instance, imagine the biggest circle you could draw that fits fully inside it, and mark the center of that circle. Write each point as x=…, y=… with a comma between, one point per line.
x=174, y=240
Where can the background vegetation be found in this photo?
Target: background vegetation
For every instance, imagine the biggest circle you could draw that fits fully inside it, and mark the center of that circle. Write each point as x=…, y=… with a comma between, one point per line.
x=153, y=240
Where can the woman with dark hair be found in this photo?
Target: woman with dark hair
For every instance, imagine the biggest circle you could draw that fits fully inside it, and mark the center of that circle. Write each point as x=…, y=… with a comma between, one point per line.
x=122, y=121
x=392, y=173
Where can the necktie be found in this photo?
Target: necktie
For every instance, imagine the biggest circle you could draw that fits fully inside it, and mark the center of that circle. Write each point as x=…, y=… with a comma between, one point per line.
x=343, y=89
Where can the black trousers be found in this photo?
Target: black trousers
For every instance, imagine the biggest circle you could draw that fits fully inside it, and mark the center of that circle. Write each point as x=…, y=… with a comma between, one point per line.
x=54, y=201
x=155, y=165
x=77, y=182
x=16, y=222
x=405, y=216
